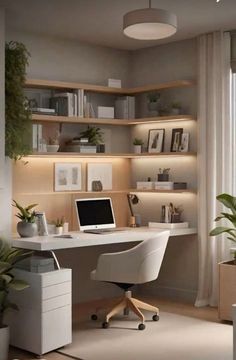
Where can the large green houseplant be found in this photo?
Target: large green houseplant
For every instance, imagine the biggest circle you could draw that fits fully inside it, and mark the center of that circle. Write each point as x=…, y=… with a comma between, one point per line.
x=18, y=133
x=230, y=203
x=8, y=258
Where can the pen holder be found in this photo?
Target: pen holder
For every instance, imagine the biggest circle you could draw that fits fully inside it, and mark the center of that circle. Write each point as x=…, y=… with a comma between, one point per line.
x=132, y=221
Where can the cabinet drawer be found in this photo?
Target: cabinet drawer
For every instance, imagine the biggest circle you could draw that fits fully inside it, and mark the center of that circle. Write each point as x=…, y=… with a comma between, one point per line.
x=56, y=290
x=56, y=302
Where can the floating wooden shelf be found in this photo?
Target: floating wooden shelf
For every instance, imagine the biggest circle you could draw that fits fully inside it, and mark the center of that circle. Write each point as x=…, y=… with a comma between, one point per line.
x=106, y=155
x=162, y=191
x=98, y=121
x=37, y=83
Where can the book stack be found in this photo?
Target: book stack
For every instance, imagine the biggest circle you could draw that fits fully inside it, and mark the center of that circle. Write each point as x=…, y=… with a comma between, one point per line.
x=68, y=104
x=37, y=138
x=125, y=107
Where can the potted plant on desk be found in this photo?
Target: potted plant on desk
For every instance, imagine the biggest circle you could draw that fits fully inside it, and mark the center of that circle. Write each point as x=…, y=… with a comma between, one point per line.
x=27, y=227
x=227, y=269
x=8, y=258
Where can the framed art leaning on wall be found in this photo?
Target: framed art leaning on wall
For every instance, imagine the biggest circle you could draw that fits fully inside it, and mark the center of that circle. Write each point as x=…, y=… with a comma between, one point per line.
x=67, y=176
x=156, y=140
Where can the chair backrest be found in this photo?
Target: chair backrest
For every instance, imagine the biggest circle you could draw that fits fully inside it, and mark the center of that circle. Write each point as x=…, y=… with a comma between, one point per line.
x=149, y=254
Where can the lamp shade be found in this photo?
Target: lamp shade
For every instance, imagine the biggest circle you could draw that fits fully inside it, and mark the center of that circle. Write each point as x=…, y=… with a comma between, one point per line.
x=149, y=24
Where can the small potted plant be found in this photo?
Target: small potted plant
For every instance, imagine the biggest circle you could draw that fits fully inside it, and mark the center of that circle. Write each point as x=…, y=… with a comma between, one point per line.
x=53, y=144
x=153, y=101
x=59, y=222
x=163, y=174
x=137, y=145
x=27, y=227
x=176, y=108
x=8, y=258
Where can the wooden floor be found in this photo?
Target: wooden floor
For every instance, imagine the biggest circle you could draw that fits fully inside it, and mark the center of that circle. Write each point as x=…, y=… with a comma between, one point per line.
x=84, y=311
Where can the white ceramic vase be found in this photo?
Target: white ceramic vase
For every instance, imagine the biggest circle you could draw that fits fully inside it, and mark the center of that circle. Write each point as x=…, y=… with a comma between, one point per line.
x=59, y=230
x=52, y=148
x=137, y=149
x=26, y=229
x=4, y=342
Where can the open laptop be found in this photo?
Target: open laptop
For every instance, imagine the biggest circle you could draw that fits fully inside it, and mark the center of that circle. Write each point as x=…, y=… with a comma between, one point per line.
x=96, y=215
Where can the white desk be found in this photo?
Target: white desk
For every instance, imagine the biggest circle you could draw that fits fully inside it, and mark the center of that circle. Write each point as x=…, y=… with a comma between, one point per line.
x=80, y=239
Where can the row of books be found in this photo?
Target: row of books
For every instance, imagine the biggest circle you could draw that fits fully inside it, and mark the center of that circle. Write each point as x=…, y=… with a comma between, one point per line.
x=69, y=104
x=37, y=138
x=125, y=107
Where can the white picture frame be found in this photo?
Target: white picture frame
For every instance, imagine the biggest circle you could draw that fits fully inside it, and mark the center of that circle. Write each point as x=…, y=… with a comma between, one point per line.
x=184, y=145
x=99, y=172
x=156, y=140
x=67, y=177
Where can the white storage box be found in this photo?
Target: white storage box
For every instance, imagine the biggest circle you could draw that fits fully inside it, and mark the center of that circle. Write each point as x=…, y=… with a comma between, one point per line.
x=115, y=83
x=106, y=112
x=163, y=185
x=182, y=225
x=145, y=185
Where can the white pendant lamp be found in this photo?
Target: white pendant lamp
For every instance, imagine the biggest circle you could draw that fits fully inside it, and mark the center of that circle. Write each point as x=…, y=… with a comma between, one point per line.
x=149, y=24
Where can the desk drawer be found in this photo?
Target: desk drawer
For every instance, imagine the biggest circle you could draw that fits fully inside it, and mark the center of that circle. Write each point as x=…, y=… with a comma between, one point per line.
x=56, y=290
x=56, y=302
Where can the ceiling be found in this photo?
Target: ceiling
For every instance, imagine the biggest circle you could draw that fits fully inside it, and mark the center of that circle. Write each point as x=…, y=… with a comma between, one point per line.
x=100, y=21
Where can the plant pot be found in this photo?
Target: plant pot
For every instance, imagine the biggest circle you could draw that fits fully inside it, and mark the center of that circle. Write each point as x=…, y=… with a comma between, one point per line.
x=26, y=229
x=162, y=177
x=59, y=230
x=137, y=149
x=52, y=148
x=4, y=342
x=227, y=289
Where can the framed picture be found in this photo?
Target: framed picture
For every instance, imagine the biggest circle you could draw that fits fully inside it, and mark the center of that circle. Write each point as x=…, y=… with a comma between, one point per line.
x=156, y=140
x=99, y=173
x=67, y=176
x=184, y=146
x=176, y=139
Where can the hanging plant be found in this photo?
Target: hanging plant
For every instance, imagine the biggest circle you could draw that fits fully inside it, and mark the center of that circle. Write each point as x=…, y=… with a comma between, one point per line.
x=18, y=131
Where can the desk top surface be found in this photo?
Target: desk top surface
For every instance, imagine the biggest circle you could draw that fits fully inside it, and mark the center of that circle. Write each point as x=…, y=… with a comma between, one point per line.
x=81, y=239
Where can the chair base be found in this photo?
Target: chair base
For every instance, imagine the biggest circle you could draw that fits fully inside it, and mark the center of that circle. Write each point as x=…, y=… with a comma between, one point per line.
x=129, y=303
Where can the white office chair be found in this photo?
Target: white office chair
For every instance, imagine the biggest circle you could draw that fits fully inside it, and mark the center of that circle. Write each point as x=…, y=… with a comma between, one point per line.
x=137, y=265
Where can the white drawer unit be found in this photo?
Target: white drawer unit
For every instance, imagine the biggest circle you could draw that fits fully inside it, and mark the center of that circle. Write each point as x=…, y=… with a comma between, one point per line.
x=43, y=322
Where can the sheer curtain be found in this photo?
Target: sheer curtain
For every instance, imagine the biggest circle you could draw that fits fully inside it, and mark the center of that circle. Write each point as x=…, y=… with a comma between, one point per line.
x=215, y=161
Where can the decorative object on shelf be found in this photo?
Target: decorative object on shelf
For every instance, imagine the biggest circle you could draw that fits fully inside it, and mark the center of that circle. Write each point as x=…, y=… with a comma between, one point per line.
x=184, y=146
x=41, y=222
x=99, y=172
x=9, y=257
x=27, y=227
x=67, y=176
x=176, y=139
x=97, y=185
x=179, y=185
x=59, y=222
x=53, y=143
x=156, y=140
x=18, y=127
x=171, y=213
x=227, y=269
x=114, y=83
x=163, y=174
x=106, y=112
x=149, y=23
x=145, y=185
x=81, y=145
x=163, y=185
x=153, y=102
x=93, y=134
x=176, y=108
x=137, y=145
x=135, y=219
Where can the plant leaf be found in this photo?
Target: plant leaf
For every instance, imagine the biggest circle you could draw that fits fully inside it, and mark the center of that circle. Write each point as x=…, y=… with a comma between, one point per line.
x=18, y=285
x=222, y=229
x=228, y=201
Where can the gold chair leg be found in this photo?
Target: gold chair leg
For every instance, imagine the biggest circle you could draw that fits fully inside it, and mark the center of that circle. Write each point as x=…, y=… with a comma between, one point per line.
x=134, y=308
x=118, y=308
x=145, y=306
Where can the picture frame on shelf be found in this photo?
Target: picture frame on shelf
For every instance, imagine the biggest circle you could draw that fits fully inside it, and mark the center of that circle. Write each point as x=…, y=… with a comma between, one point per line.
x=176, y=139
x=156, y=139
x=99, y=173
x=184, y=146
x=67, y=177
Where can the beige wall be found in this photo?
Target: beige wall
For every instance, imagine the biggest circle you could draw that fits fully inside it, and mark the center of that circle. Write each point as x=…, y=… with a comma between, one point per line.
x=73, y=61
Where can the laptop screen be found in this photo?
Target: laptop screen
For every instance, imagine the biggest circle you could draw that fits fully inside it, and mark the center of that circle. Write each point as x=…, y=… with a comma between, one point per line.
x=95, y=213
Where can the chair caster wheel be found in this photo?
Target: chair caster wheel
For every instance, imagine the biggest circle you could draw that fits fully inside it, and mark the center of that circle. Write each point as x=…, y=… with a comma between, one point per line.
x=141, y=327
x=94, y=317
x=105, y=325
x=155, y=317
